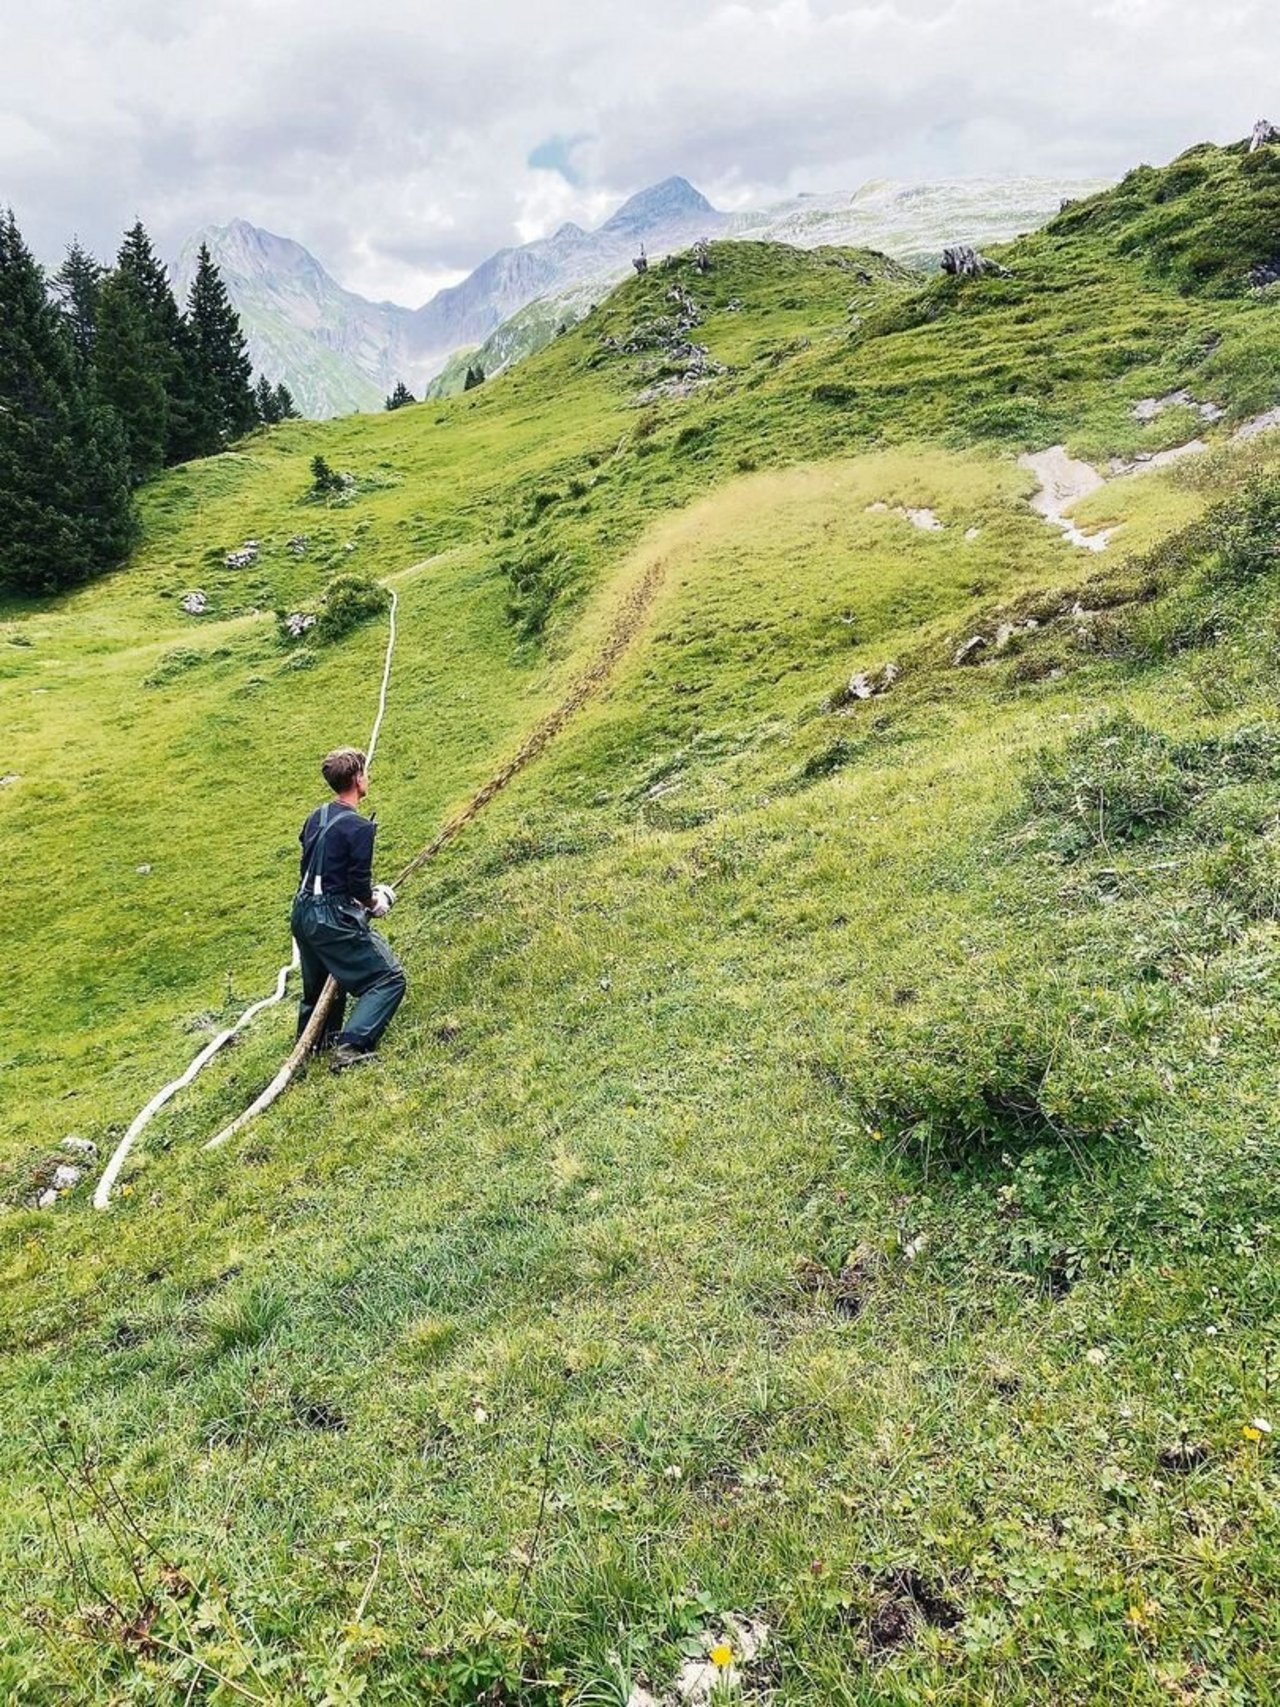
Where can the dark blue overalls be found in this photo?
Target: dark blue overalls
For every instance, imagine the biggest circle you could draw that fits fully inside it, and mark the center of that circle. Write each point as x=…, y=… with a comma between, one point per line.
x=335, y=940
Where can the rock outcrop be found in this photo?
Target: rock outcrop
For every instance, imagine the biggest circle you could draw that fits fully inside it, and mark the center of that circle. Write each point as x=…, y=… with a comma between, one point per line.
x=966, y=263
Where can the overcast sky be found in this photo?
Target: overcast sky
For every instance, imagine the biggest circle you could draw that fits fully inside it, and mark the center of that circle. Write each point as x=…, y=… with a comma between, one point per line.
x=404, y=140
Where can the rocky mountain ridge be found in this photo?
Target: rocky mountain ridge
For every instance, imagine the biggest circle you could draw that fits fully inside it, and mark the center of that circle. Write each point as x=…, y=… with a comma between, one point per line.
x=339, y=352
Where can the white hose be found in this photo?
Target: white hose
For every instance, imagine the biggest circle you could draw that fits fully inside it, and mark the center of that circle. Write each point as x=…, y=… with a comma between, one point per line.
x=102, y=1196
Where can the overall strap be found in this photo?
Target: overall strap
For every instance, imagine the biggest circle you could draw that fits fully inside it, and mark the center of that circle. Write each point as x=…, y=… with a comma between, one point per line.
x=315, y=865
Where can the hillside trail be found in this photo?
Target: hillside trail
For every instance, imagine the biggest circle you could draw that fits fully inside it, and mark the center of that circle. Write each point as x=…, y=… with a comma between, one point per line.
x=165, y=1095
x=626, y=625
x=627, y=620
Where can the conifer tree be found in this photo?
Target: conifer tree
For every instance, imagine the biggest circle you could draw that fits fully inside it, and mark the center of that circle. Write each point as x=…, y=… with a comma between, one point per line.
x=400, y=396
x=77, y=287
x=222, y=366
x=286, y=408
x=189, y=426
x=475, y=376
x=65, y=507
x=266, y=402
x=130, y=372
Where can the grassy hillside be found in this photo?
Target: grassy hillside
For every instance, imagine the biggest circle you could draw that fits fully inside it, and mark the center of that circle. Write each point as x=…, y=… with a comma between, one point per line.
x=825, y=1170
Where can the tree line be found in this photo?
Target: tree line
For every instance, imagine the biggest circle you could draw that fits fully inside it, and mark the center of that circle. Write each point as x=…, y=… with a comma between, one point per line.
x=104, y=380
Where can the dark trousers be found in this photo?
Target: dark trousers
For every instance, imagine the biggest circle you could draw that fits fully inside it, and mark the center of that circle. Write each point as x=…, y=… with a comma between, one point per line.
x=335, y=940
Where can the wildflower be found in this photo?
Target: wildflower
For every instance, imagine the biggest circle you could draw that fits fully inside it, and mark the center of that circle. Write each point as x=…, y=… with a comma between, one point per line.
x=1095, y=1355
x=722, y=1655
x=1256, y=1430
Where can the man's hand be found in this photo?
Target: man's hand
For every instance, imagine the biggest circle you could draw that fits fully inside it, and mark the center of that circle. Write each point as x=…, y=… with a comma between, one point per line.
x=384, y=899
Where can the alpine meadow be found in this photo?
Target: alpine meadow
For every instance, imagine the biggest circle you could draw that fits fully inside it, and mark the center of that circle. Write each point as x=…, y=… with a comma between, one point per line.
x=810, y=1235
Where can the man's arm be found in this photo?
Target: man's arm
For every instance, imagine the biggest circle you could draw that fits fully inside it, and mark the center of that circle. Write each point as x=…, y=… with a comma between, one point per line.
x=360, y=860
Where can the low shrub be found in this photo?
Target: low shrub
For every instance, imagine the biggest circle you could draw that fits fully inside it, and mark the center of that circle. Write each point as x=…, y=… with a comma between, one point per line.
x=348, y=601
x=1245, y=873
x=172, y=664
x=969, y=1084
x=1244, y=535
x=1112, y=783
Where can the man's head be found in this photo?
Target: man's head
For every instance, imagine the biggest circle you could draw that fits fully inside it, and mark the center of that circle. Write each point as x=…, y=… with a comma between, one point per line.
x=344, y=771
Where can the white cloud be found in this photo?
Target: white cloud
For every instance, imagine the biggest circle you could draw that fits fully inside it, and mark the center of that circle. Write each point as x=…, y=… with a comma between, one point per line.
x=394, y=138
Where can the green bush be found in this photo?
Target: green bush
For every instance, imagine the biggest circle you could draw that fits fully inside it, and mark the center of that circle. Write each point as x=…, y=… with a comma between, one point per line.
x=1245, y=536
x=1245, y=873
x=1112, y=783
x=972, y=1083
x=348, y=601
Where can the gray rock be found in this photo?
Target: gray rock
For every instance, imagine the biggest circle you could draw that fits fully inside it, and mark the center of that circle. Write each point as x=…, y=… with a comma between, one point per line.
x=1263, y=133
x=968, y=652
x=196, y=602
x=81, y=1146
x=47, y=1199
x=66, y=1178
x=964, y=262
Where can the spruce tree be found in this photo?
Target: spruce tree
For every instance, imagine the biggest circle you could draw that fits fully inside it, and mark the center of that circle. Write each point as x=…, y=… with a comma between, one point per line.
x=265, y=402
x=65, y=507
x=189, y=427
x=131, y=370
x=77, y=288
x=400, y=396
x=286, y=408
x=222, y=363
x=475, y=376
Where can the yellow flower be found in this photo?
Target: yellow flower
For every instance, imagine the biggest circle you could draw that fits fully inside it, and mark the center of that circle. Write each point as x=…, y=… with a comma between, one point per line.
x=722, y=1655
x=1251, y=1433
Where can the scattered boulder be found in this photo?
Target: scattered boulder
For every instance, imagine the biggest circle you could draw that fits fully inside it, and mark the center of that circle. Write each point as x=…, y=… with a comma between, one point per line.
x=1147, y=460
x=1265, y=273
x=866, y=684
x=1008, y=631
x=702, y=255
x=297, y=622
x=967, y=652
x=143, y=870
x=47, y=1199
x=1147, y=408
x=196, y=602
x=1259, y=424
x=244, y=557
x=8, y=781
x=297, y=544
x=919, y=517
x=66, y=1177
x=80, y=1146
x=964, y=262
x=1263, y=133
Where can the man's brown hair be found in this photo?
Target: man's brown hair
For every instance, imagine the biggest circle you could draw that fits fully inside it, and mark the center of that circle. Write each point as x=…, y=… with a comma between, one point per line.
x=341, y=767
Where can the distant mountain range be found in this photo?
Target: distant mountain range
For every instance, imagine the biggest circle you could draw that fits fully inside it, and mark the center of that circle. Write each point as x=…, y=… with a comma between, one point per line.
x=339, y=352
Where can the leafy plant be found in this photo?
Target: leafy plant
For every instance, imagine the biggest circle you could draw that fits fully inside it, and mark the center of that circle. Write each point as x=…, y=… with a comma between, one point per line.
x=348, y=601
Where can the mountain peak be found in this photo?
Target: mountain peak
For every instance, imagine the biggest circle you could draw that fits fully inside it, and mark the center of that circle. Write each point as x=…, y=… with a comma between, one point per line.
x=673, y=200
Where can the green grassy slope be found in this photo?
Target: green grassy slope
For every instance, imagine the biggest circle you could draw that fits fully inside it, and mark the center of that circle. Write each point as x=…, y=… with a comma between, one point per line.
x=825, y=1169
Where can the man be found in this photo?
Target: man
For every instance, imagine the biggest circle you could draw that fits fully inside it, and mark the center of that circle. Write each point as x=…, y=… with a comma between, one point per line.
x=331, y=911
